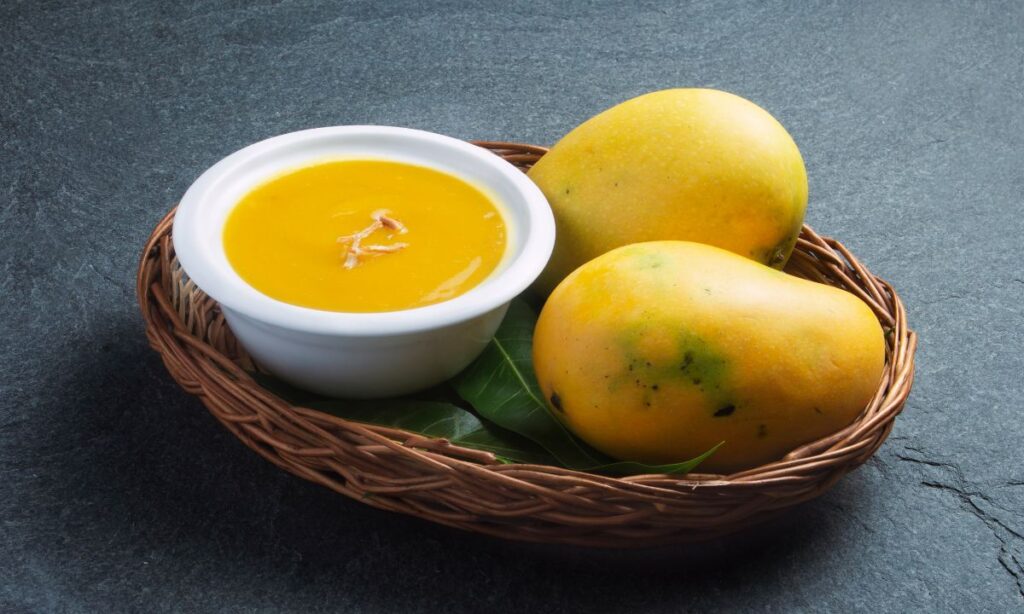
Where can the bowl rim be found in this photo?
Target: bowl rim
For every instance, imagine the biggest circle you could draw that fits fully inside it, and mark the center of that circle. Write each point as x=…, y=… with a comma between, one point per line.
x=226, y=287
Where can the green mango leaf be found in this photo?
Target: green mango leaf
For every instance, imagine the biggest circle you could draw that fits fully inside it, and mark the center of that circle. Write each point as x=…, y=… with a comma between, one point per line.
x=431, y=416
x=502, y=388
x=632, y=468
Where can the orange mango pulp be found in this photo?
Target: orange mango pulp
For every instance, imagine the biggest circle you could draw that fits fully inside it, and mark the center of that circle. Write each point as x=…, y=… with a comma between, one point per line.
x=282, y=237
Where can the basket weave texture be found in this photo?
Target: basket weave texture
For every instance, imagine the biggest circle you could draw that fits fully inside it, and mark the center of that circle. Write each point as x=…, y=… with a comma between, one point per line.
x=470, y=489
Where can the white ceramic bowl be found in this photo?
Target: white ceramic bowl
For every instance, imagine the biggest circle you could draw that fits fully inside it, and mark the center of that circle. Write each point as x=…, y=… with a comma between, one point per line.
x=362, y=355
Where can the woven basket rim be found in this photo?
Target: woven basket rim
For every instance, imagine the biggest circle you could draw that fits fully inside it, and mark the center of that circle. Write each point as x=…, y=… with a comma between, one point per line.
x=403, y=471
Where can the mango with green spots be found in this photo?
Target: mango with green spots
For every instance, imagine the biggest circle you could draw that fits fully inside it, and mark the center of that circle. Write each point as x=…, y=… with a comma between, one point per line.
x=684, y=164
x=658, y=351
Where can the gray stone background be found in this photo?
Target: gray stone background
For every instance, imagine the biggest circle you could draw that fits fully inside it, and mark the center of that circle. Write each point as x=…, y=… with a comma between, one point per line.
x=118, y=492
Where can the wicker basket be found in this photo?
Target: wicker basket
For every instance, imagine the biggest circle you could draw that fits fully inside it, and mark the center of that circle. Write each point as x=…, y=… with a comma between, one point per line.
x=469, y=489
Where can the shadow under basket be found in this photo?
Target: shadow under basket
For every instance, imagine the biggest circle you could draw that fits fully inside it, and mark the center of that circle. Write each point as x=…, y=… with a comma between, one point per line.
x=470, y=489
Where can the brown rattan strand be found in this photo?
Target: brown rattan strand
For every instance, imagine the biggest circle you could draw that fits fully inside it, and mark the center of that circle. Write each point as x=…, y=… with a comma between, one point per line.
x=469, y=489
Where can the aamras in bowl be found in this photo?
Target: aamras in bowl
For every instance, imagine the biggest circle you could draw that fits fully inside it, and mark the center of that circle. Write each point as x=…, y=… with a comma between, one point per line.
x=364, y=236
x=363, y=261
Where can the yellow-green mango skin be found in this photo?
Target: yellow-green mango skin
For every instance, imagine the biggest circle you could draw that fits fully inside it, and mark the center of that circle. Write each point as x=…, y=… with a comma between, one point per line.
x=685, y=164
x=658, y=351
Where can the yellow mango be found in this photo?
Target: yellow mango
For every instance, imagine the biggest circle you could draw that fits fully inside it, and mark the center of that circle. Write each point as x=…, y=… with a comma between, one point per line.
x=658, y=351
x=685, y=164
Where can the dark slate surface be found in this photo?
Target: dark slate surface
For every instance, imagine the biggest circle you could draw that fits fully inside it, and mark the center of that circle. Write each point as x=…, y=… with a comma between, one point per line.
x=119, y=492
